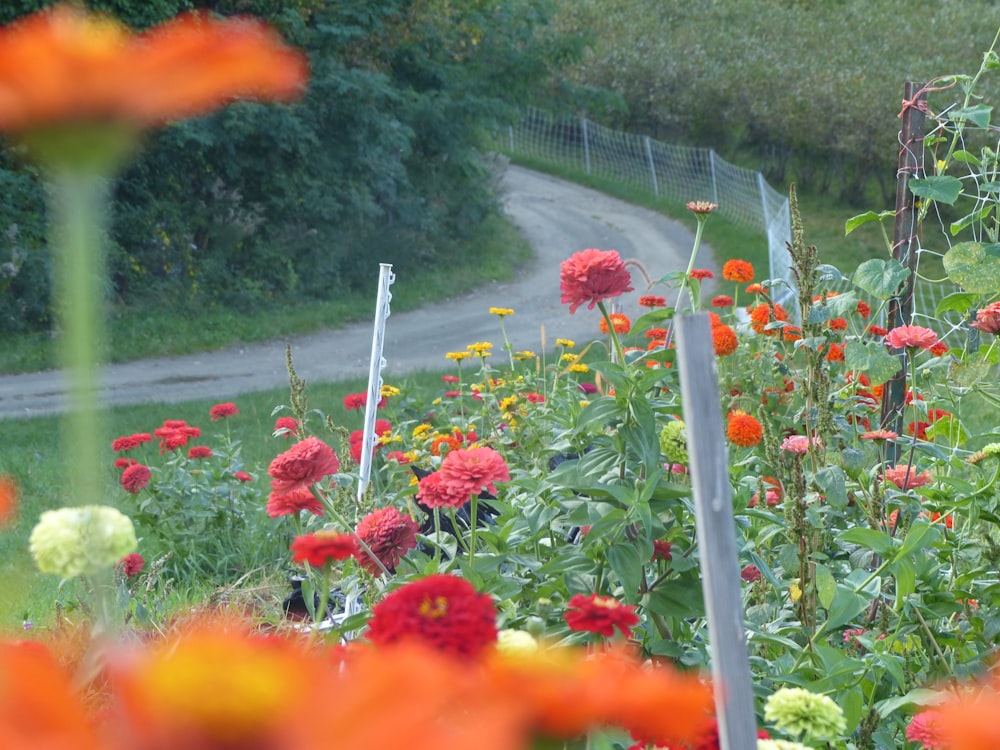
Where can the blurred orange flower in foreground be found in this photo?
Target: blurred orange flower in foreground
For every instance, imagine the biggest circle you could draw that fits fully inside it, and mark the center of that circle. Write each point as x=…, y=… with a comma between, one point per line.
x=8, y=499
x=64, y=65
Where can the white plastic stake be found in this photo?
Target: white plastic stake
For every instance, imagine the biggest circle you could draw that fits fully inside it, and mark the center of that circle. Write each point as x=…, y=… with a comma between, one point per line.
x=369, y=438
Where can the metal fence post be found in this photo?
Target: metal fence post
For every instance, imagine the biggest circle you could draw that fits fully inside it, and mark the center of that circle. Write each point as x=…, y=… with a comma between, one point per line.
x=652, y=167
x=715, y=184
x=586, y=144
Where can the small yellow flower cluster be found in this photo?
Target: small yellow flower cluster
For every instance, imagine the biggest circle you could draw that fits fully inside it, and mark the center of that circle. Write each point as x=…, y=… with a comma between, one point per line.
x=568, y=357
x=457, y=356
x=420, y=430
x=578, y=367
x=508, y=403
x=482, y=348
x=521, y=356
x=501, y=311
x=565, y=343
x=389, y=391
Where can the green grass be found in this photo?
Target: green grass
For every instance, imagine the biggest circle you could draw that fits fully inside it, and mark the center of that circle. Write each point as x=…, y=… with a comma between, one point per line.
x=31, y=454
x=140, y=332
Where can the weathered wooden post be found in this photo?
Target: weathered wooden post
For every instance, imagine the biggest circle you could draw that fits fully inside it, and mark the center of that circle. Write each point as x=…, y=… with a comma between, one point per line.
x=904, y=249
x=716, y=533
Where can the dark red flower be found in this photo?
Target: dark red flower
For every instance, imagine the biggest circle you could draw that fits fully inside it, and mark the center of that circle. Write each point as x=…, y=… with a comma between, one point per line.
x=701, y=274
x=443, y=611
x=242, y=476
x=722, y=300
x=129, y=442
x=751, y=574
x=136, y=478
x=600, y=614
x=662, y=550
x=199, y=451
x=652, y=301
x=123, y=463
x=354, y=401
x=132, y=564
x=323, y=547
x=290, y=503
x=592, y=276
x=221, y=411
x=301, y=465
x=389, y=534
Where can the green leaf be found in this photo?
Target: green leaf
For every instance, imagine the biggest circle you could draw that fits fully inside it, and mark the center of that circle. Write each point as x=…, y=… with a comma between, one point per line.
x=975, y=267
x=871, y=539
x=856, y=221
x=940, y=188
x=826, y=586
x=982, y=213
x=833, y=483
x=977, y=113
x=960, y=302
x=846, y=605
x=872, y=359
x=916, y=697
x=921, y=534
x=625, y=560
x=906, y=579
x=880, y=278
x=966, y=157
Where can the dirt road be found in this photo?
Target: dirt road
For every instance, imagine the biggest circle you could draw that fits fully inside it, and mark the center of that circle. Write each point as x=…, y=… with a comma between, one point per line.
x=558, y=218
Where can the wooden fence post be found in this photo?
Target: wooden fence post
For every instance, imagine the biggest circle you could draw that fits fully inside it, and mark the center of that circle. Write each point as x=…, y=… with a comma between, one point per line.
x=716, y=533
x=904, y=241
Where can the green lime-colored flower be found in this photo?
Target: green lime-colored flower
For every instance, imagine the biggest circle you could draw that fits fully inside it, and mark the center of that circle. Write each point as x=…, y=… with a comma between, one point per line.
x=992, y=449
x=781, y=745
x=77, y=541
x=673, y=442
x=800, y=712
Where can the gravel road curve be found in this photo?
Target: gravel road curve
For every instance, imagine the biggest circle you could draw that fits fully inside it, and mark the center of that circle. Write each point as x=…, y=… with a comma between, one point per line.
x=558, y=218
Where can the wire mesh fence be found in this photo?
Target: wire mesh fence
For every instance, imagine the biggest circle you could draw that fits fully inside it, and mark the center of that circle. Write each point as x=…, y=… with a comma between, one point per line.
x=681, y=174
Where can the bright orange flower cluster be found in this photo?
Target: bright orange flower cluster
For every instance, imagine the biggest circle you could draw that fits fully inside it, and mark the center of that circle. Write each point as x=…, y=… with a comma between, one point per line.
x=621, y=322
x=64, y=65
x=763, y=314
x=737, y=270
x=218, y=685
x=743, y=429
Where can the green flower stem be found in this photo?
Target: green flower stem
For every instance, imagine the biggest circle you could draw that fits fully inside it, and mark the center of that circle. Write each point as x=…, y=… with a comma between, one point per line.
x=76, y=204
x=335, y=515
x=324, y=594
x=473, y=528
x=615, y=342
x=687, y=274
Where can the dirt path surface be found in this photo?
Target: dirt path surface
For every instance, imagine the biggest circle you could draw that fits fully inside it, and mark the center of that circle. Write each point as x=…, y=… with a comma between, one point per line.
x=558, y=218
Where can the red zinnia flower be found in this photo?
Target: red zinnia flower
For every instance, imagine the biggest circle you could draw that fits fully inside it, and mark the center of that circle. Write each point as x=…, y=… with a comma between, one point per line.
x=242, y=476
x=123, y=463
x=449, y=378
x=662, y=550
x=756, y=289
x=835, y=353
x=199, y=451
x=354, y=401
x=286, y=426
x=988, y=319
x=221, y=411
x=600, y=614
x=652, y=301
x=434, y=493
x=592, y=276
x=620, y=321
x=724, y=340
x=837, y=324
x=739, y=271
x=905, y=478
x=290, y=503
x=301, y=465
x=864, y=309
x=442, y=610
x=323, y=547
x=911, y=337
x=722, y=300
x=751, y=574
x=534, y=398
x=470, y=471
x=389, y=534
x=701, y=274
x=66, y=65
x=8, y=499
x=132, y=564
x=939, y=349
x=743, y=429
x=129, y=442
x=175, y=433
x=136, y=478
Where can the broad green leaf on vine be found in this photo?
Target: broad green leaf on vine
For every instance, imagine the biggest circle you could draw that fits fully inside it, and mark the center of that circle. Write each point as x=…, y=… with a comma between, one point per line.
x=977, y=113
x=880, y=278
x=940, y=188
x=974, y=266
x=960, y=302
x=872, y=359
x=856, y=221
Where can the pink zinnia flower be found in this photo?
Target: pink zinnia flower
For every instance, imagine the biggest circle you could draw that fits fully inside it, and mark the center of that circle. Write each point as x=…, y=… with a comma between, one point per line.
x=911, y=337
x=925, y=728
x=879, y=435
x=592, y=276
x=136, y=478
x=389, y=534
x=221, y=411
x=470, y=471
x=290, y=503
x=988, y=320
x=904, y=477
x=799, y=443
x=435, y=493
x=301, y=465
x=287, y=426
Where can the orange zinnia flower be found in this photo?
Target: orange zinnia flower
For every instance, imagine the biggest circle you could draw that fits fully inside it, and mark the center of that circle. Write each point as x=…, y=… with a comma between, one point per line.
x=743, y=429
x=64, y=65
x=620, y=321
x=8, y=499
x=724, y=340
x=737, y=270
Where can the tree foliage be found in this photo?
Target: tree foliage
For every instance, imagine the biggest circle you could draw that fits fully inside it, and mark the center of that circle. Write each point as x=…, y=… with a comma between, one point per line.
x=382, y=160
